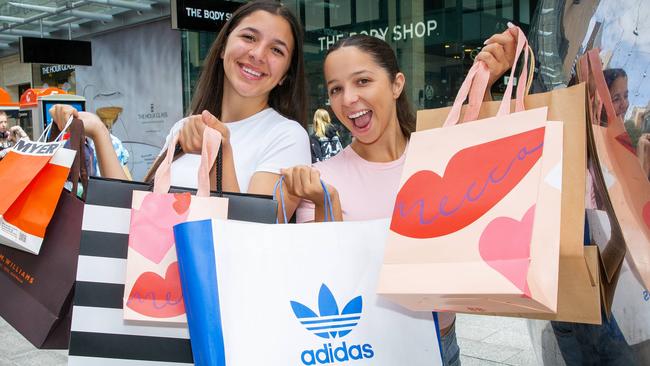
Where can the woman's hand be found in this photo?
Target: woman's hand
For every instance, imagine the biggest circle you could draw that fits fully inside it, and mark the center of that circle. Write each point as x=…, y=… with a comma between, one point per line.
x=61, y=114
x=191, y=135
x=94, y=128
x=16, y=133
x=499, y=53
x=304, y=182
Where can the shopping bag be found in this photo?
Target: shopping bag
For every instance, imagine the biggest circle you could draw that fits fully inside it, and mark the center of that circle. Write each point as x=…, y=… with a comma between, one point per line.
x=99, y=333
x=631, y=301
x=37, y=290
x=299, y=294
x=579, y=278
x=485, y=212
x=33, y=174
x=152, y=290
x=627, y=185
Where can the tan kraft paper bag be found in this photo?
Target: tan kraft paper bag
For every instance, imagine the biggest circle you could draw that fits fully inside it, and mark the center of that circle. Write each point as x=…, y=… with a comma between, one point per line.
x=579, y=283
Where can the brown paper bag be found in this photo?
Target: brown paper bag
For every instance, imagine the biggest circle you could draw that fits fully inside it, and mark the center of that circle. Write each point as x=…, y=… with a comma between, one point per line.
x=579, y=282
x=620, y=174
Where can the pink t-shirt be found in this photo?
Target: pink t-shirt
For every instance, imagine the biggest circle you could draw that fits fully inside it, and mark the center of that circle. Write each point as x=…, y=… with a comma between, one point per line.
x=367, y=191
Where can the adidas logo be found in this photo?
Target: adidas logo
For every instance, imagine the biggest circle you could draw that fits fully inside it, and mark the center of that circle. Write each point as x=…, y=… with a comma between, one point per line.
x=330, y=323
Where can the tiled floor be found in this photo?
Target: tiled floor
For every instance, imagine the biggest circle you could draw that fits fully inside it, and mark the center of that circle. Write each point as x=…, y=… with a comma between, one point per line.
x=483, y=341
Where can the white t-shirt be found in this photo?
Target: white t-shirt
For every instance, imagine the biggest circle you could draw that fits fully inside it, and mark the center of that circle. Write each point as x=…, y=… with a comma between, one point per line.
x=263, y=142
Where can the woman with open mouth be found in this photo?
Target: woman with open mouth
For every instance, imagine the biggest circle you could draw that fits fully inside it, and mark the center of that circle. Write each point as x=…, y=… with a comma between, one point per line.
x=366, y=91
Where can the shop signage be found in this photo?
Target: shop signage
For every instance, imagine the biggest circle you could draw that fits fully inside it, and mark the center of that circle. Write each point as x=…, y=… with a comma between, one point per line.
x=396, y=33
x=54, y=70
x=201, y=15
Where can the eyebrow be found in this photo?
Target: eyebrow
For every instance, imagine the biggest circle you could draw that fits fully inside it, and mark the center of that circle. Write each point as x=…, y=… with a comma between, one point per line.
x=276, y=40
x=351, y=75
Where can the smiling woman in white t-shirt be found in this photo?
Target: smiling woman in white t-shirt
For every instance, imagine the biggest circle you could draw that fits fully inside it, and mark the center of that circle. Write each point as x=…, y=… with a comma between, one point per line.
x=253, y=79
x=252, y=90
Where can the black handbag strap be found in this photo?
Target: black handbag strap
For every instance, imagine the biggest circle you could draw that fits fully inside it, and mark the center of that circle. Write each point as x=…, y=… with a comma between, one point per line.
x=219, y=170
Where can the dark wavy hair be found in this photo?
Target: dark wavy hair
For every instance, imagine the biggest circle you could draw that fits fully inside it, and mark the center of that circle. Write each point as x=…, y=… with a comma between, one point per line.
x=612, y=74
x=289, y=99
x=385, y=57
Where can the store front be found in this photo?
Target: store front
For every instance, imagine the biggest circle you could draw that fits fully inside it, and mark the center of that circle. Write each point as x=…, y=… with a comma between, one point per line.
x=435, y=41
x=57, y=76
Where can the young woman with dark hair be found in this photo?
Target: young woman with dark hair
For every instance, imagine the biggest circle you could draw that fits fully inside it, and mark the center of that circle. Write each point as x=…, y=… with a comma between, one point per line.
x=366, y=91
x=252, y=90
x=616, y=80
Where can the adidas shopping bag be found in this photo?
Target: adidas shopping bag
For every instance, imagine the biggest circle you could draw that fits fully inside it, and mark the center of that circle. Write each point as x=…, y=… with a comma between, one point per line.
x=299, y=294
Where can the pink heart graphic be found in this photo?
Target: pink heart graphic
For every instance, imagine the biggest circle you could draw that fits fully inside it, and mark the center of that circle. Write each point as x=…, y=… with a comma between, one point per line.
x=152, y=225
x=646, y=214
x=505, y=246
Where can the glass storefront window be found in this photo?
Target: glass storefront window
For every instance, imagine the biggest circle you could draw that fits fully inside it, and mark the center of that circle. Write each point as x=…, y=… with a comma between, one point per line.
x=435, y=41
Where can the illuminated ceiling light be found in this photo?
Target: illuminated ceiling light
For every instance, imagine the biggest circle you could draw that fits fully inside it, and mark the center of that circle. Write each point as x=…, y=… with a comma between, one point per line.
x=447, y=46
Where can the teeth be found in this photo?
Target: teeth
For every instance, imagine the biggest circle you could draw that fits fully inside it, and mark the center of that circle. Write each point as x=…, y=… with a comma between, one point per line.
x=252, y=72
x=358, y=114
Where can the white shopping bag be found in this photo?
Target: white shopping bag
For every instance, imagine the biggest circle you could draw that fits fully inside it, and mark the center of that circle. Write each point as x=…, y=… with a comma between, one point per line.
x=300, y=294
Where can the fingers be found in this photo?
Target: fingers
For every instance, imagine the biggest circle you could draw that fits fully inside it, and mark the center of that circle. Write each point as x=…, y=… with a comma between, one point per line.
x=211, y=121
x=499, y=53
x=191, y=135
x=303, y=182
x=507, y=40
x=61, y=114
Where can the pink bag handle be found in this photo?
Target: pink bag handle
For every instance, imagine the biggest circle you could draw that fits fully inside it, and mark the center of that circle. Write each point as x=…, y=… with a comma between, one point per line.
x=209, y=151
x=601, y=85
x=584, y=70
x=522, y=46
x=475, y=86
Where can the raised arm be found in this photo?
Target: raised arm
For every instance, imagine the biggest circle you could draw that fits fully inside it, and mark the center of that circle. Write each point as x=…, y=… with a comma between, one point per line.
x=95, y=130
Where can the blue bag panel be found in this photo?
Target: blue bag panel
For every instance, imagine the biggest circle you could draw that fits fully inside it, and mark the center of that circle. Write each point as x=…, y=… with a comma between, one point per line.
x=198, y=273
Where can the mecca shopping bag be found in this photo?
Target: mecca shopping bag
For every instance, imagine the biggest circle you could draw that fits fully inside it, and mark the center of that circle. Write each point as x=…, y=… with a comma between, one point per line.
x=153, y=289
x=579, y=278
x=298, y=294
x=578, y=297
x=100, y=335
x=627, y=185
x=37, y=290
x=32, y=175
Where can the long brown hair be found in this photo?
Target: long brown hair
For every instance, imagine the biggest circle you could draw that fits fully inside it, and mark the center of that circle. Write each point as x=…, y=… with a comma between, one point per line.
x=384, y=56
x=289, y=99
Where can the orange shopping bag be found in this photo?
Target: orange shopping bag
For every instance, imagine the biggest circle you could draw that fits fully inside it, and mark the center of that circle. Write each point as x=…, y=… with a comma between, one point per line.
x=32, y=174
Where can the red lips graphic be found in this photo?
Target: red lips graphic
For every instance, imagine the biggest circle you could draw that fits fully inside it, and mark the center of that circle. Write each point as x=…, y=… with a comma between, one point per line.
x=476, y=179
x=158, y=297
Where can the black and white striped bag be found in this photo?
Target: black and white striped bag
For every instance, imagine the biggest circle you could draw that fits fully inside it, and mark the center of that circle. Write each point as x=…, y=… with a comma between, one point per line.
x=99, y=334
